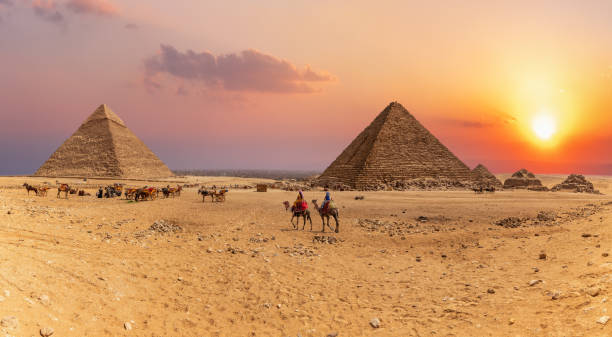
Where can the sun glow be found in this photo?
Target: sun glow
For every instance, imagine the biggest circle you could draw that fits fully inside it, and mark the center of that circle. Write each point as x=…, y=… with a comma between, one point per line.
x=544, y=126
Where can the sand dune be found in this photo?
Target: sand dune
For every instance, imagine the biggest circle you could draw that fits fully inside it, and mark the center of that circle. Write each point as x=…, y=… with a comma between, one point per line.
x=86, y=267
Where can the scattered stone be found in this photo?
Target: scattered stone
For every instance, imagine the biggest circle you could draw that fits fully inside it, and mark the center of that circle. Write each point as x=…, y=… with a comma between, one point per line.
x=44, y=299
x=555, y=295
x=279, y=306
x=46, y=332
x=605, y=254
x=586, y=235
x=10, y=322
x=324, y=239
x=511, y=321
x=603, y=320
x=510, y=222
x=542, y=256
x=593, y=291
x=209, y=250
x=534, y=282
x=161, y=226
x=422, y=218
x=491, y=291
x=332, y=334
x=127, y=326
x=375, y=323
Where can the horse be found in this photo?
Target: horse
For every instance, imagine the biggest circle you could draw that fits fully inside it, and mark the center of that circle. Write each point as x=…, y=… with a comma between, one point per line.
x=30, y=188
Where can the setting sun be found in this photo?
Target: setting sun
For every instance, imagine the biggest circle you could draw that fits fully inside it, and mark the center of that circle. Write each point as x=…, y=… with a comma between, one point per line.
x=544, y=126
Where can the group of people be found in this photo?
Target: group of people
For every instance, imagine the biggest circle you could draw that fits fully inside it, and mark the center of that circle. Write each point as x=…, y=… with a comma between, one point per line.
x=300, y=203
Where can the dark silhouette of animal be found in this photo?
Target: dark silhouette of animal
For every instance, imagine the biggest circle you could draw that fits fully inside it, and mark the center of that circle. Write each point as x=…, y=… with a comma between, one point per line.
x=63, y=188
x=205, y=193
x=326, y=214
x=30, y=188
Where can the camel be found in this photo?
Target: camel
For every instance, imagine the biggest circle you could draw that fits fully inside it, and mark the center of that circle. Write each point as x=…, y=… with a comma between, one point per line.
x=63, y=188
x=30, y=188
x=333, y=212
x=206, y=193
x=43, y=191
x=301, y=213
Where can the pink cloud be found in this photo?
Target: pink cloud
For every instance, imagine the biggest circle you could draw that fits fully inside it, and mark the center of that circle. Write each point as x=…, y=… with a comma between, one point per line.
x=98, y=7
x=249, y=70
x=47, y=10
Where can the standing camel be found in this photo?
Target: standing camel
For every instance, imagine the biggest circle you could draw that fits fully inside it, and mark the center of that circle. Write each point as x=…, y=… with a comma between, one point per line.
x=63, y=188
x=30, y=188
x=333, y=212
x=301, y=213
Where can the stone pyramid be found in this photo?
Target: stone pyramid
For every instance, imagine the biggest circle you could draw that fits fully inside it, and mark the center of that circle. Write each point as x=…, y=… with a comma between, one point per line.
x=103, y=146
x=394, y=151
x=484, y=176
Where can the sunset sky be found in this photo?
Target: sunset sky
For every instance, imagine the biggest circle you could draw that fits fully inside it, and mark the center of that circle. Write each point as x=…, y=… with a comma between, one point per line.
x=289, y=84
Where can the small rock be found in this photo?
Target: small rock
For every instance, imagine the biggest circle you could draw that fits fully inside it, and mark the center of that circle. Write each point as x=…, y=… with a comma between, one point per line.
x=586, y=235
x=603, y=320
x=534, y=282
x=555, y=295
x=209, y=250
x=542, y=256
x=44, y=299
x=511, y=321
x=491, y=291
x=10, y=322
x=127, y=326
x=46, y=332
x=332, y=334
x=593, y=291
x=375, y=323
x=605, y=254
x=279, y=305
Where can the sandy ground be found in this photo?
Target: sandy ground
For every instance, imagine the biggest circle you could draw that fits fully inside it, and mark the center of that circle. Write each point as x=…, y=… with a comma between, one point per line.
x=86, y=267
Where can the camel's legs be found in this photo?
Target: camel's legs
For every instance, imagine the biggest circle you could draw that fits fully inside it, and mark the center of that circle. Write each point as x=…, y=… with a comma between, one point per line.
x=337, y=224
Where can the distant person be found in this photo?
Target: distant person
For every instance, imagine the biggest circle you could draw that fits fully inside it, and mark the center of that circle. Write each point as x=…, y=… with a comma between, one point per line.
x=300, y=204
x=100, y=193
x=326, y=201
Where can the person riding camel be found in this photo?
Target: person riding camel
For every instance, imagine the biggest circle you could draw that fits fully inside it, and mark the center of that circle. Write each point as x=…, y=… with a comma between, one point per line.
x=300, y=204
x=326, y=202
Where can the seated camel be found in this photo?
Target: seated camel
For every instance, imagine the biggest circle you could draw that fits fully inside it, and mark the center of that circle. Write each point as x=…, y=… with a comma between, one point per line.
x=43, y=190
x=329, y=212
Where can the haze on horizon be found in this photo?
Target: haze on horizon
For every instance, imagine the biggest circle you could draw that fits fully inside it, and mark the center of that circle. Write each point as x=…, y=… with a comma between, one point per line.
x=288, y=85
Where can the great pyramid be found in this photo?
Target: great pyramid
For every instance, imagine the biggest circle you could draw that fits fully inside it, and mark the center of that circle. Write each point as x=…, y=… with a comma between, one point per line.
x=103, y=146
x=484, y=176
x=395, y=151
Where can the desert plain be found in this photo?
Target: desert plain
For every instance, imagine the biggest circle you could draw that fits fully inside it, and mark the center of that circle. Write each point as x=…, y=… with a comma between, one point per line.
x=418, y=263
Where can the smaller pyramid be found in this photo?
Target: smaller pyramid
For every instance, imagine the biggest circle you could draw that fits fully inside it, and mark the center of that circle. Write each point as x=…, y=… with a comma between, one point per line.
x=484, y=177
x=523, y=179
x=576, y=183
x=104, y=147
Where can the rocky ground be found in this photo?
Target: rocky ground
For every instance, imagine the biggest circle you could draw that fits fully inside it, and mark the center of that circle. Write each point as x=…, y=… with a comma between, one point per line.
x=404, y=264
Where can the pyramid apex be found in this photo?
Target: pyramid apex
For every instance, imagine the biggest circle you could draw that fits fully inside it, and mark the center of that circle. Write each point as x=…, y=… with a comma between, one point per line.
x=104, y=112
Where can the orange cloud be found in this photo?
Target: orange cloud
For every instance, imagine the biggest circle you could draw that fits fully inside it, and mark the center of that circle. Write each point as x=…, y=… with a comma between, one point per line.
x=249, y=70
x=97, y=7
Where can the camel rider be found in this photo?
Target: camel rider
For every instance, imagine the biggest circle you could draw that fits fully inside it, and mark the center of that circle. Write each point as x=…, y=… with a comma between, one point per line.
x=300, y=204
x=326, y=202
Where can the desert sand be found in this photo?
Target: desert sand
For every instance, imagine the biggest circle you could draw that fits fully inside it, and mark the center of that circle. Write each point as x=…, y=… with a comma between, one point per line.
x=89, y=267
